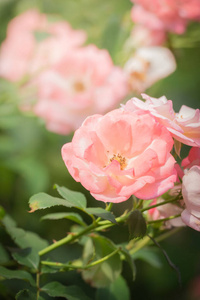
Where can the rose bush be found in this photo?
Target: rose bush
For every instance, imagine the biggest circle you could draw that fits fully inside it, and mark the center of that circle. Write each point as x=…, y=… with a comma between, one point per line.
x=120, y=154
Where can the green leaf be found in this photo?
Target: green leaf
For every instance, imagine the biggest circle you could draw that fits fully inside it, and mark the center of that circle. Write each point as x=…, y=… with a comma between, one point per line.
x=130, y=261
x=16, y=274
x=118, y=290
x=102, y=213
x=28, y=257
x=4, y=257
x=70, y=216
x=106, y=272
x=42, y=201
x=2, y=212
x=136, y=224
x=76, y=199
x=26, y=294
x=56, y=289
x=24, y=239
x=149, y=255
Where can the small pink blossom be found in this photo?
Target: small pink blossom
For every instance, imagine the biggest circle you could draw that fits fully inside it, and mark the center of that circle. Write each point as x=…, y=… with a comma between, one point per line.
x=166, y=15
x=120, y=154
x=82, y=83
x=191, y=195
x=33, y=42
x=148, y=65
x=184, y=125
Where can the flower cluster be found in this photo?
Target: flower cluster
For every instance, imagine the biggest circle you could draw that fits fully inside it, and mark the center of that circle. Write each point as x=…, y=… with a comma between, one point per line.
x=61, y=80
x=128, y=152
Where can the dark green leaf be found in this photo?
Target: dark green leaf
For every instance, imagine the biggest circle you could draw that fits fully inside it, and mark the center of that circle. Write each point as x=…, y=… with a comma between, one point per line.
x=106, y=272
x=70, y=216
x=28, y=257
x=118, y=290
x=2, y=212
x=16, y=274
x=149, y=255
x=23, y=239
x=76, y=199
x=4, y=257
x=42, y=201
x=130, y=261
x=102, y=213
x=136, y=224
x=27, y=295
x=56, y=289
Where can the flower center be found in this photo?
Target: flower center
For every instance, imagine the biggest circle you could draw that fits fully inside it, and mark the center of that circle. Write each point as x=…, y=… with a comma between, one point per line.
x=120, y=159
x=79, y=86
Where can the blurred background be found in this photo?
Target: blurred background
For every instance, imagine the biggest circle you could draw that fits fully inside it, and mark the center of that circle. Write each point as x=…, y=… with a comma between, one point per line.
x=30, y=156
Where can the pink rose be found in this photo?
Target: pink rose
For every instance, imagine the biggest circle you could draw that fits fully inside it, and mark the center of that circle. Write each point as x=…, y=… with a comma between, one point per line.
x=148, y=65
x=33, y=43
x=191, y=195
x=184, y=126
x=82, y=83
x=120, y=154
x=168, y=15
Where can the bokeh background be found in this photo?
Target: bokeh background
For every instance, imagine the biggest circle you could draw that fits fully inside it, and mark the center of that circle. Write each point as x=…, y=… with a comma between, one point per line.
x=30, y=156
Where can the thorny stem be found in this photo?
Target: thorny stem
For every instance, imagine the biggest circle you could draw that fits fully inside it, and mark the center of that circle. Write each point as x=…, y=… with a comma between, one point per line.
x=69, y=266
x=97, y=226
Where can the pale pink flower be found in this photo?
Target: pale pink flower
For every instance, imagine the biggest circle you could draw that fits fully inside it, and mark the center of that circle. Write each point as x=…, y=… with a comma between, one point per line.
x=191, y=195
x=120, y=154
x=148, y=65
x=33, y=42
x=166, y=15
x=184, y=125
x=142, y=36
x=82, y=83
x=192, y=159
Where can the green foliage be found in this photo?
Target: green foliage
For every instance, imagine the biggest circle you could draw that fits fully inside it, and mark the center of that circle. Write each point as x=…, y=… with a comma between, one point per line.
x=136, y=224
x=76, y=199
x=4, y=257
x=70, y=216
x=118, y=290
x=27, y=295
x=56, y=289
x=16, y=274
x=149, y=255
x=106, y=272
x=102, y=213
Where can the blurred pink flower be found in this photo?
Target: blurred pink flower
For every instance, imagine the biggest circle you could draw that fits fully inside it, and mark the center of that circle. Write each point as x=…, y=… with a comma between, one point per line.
x=120, y=154
x=142, y=36
x=184, y=125
x=166, y=15
x=82, y=83
x=191, y=195
x=33, y=42
x=148, y=65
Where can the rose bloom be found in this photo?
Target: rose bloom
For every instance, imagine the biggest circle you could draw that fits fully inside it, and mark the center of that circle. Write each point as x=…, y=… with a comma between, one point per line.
x=33, y=42
x=168, y=15
x=120, y=154
x=148, y=65
x=184, y=125
x=191, y=195
x=82, y=83
x=192, y=159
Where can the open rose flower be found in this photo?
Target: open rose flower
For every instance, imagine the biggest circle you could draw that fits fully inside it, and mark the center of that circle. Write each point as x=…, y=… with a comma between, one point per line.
x=184, y=125
x=82, y=83
x=148, y=65
x=33, y=42
x=191, y=195
x=120, y=154
x=168, y=15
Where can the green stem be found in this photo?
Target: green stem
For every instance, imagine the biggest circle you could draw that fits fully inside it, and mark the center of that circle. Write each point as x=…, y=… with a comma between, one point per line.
x=68, y=239
x=138, y=245
x=158, y=204
x=164, y=219
x=97, y=262
x=38, y=285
